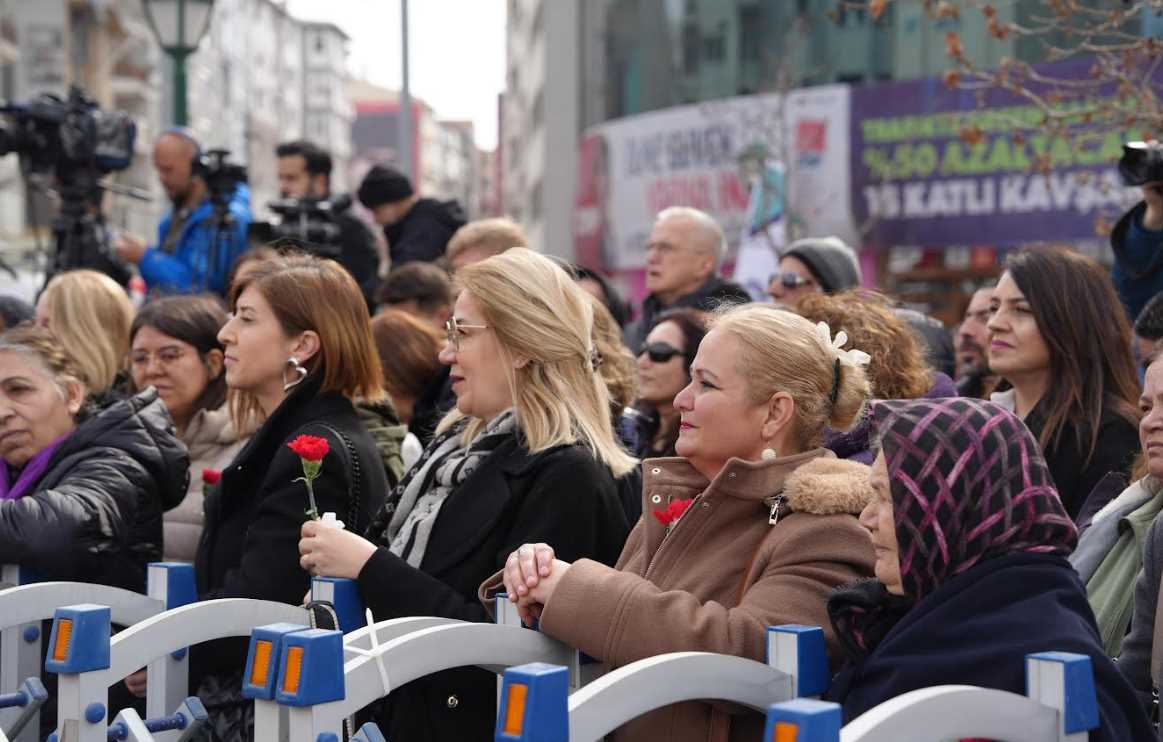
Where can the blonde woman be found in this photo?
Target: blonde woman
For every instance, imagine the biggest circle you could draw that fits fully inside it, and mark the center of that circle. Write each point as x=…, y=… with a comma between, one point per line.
x=528, y=454
x=759, y=522
x=91, y=315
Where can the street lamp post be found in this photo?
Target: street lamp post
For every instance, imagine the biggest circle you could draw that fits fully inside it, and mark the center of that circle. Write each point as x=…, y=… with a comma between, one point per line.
x=178, y=26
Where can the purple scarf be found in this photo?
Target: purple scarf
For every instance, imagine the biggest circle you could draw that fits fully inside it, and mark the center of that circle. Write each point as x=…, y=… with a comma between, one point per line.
x=30, y=474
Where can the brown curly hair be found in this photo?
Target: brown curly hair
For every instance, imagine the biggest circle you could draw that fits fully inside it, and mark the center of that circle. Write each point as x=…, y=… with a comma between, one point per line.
x=897, y=369
x=619, y=370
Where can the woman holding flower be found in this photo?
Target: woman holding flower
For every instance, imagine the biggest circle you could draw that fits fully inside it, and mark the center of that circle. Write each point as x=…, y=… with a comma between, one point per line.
x=752, y=525
x=298, y=349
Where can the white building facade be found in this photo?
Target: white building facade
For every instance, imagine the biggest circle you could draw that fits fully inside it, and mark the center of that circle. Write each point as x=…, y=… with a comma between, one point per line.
x=540, y=121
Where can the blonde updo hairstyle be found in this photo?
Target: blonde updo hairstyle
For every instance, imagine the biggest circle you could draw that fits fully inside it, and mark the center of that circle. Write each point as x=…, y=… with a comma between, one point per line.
x=92, y=316
x=783, y=352
x=540, y=316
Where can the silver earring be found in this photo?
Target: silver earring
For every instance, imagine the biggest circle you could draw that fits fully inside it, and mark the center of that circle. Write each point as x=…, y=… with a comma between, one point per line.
x=768, y=454
x=297, y=371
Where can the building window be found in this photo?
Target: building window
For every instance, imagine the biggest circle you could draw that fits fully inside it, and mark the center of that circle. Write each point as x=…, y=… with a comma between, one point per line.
x=750, y=33
x=691, y=43
x=715, y=46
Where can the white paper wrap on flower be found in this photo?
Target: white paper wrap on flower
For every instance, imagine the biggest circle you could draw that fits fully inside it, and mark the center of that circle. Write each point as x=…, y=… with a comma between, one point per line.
x=852, y=357
x=330, y=521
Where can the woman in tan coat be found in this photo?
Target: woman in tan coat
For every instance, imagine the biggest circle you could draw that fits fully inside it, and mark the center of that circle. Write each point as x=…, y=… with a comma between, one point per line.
x=752, y=525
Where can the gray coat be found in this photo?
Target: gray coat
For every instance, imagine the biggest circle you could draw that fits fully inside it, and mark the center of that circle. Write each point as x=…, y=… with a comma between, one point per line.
x=1106, y=527
x=1135, y=656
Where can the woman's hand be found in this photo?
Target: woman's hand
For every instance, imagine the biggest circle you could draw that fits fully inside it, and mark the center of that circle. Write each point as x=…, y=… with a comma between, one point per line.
x=333, y=552
x=530, y=605
x=136, y=683
x=525, y=567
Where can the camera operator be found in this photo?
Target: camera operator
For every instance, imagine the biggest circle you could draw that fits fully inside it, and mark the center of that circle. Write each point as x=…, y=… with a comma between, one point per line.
x=305, y=174
x=188, y=236
x=1137, y=239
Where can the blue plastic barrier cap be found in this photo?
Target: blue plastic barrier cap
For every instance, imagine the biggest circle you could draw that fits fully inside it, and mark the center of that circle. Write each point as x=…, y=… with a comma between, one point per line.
x=327, y=737
x=311, y=668
x=95, y=713
x=1075, y=675
x=369, y=732
x=31, y=633
x=803, y=720
x=262, y=661
x=35, y=689
x=800, y=651
x=533, y=705
x=181, y=587
x=80, y=639
x=344, y=596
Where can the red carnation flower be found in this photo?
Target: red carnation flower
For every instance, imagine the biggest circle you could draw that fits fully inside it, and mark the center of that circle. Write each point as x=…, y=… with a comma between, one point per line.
x=210, y=477
x=673, y=511
x=310, y=447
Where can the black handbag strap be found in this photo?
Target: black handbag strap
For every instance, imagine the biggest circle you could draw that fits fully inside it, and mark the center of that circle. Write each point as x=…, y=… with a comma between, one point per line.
x=353, y=466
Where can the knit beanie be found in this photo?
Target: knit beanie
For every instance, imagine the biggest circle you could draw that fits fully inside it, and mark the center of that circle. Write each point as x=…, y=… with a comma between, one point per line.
x=832, y=263
x=383, y=185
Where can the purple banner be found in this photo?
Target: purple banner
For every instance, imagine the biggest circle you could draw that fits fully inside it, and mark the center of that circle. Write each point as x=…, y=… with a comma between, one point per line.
x=916, y=182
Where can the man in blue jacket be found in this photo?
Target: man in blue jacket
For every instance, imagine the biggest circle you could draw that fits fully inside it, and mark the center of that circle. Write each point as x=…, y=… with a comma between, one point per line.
x=190, y=255
x=1137, y=241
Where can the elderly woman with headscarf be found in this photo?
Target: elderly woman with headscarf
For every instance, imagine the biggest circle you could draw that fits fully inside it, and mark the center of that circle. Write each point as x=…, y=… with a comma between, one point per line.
x=971, y=571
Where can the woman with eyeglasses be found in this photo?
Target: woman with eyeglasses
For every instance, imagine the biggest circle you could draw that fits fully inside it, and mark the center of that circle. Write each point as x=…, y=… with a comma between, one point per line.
x=174, y=348
x=528, y=453
x=650, y=427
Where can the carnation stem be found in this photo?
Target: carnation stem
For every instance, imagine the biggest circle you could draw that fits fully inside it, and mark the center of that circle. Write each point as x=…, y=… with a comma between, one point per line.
x=313, y=511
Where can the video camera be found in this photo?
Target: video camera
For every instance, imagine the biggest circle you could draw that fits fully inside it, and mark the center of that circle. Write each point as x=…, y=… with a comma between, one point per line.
x=1141, y=163
x=220, y=176
x=67, y=135
x=310, y=223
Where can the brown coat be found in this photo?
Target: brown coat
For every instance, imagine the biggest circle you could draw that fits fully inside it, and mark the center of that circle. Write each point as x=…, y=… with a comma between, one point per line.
x=721, y=576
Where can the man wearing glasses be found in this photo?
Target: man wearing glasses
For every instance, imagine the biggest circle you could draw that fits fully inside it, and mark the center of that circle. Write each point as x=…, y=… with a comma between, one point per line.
x=814, y=265
x=683, y=257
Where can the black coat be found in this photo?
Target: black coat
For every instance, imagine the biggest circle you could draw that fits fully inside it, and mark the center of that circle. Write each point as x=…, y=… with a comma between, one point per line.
x=1135, y=654
x=561, y=496
x=712, y=294
x=1076, y=477
x=95, y=515
x=424, y=232
x=358, y=253
x=977, y=628
x=250, y=541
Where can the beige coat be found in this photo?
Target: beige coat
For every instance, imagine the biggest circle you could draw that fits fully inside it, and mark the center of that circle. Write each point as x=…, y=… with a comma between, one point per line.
x=721, y=576
x=213, y=443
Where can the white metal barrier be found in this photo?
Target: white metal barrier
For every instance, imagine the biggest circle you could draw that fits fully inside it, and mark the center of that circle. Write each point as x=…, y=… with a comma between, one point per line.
x=1060, y=705
x=536, y=703
x=24, y=604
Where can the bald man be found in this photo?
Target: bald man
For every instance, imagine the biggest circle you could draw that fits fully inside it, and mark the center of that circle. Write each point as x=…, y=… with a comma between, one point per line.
x=188, y=255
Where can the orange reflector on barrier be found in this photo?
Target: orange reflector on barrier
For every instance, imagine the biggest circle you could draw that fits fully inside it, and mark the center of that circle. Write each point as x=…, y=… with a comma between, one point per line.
x=262, y=663
x=294, y=664
x=60, y=650
x=515, y=709
x=785, y=732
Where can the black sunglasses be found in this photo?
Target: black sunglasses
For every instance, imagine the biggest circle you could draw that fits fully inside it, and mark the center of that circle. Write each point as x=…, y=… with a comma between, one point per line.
x=660, y=352
x=790, y=280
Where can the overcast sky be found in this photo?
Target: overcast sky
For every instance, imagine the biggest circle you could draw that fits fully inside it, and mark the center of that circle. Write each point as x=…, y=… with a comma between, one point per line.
x=457, y=51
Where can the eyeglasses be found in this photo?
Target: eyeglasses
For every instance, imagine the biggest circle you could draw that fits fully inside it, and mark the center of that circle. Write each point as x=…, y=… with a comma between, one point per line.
x=660, y=352
x=790, y=280
x=452, y=330
x=165, y=356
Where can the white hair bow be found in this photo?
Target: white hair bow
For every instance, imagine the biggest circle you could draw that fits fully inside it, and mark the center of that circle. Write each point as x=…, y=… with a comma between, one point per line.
x=852, y=357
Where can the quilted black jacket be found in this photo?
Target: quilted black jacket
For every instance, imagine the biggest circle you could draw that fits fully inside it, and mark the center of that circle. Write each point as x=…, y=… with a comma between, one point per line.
x=95, y=515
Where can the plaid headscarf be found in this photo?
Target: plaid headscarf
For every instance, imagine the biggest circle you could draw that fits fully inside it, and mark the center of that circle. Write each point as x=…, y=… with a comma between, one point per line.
x=968, y=484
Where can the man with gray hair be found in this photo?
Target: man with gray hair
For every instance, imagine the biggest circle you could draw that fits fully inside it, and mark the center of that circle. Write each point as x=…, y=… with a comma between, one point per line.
x=683, y=257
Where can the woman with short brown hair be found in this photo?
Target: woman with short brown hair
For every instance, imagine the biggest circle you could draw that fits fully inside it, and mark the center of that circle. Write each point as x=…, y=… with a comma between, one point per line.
x=298, y=350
